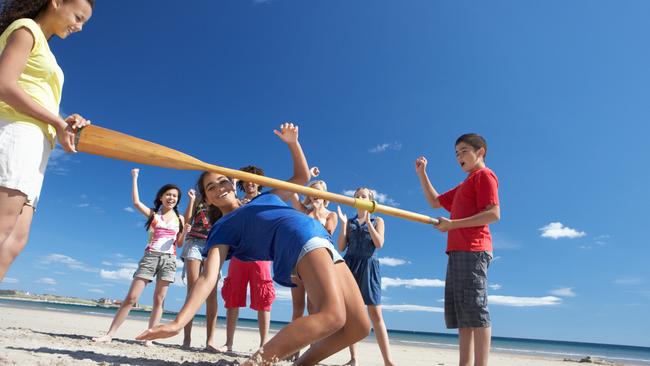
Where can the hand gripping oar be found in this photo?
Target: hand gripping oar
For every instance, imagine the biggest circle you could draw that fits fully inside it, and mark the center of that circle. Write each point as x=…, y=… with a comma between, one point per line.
x=112, y=144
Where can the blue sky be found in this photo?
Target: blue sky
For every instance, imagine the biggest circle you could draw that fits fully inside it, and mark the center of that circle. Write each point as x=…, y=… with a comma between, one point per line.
x=558, y=89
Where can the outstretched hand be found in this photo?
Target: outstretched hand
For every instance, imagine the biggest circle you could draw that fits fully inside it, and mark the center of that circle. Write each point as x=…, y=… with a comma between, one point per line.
x=135, y=172
x=288, y=133
x=159, y=331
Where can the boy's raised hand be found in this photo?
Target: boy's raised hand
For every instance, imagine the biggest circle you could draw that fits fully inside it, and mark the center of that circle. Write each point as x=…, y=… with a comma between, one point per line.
x=191, y=194
x=420, y=165
x=288, y=133
x=134, y=172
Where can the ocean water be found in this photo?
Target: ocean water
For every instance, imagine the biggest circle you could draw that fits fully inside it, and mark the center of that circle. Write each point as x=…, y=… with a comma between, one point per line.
x=629, y=355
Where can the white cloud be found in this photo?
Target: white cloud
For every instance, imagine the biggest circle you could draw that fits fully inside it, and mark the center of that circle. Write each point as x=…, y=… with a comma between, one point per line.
x=410, y=283
x=82, y=205
x=46, y=281
x=412, y=308
x=556, y=230
x=129, y=209
x=9, y=280
x=563, y=292
x=495, y=286
x=397, y=146
x=628, y=281
x=130, y=265
x=392, y=262
x=96, y=290
x=69, y=262
x=179, y=263
x=122, y=274
x=106, y=263
x=382, y=198
x=517, y=301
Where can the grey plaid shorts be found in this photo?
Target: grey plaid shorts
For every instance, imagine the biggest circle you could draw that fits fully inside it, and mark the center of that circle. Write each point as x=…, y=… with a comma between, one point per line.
x=156, y=265
x=466, y=297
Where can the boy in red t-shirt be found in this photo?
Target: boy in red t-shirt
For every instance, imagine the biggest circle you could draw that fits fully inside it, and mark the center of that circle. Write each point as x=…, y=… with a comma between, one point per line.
x=473, y=205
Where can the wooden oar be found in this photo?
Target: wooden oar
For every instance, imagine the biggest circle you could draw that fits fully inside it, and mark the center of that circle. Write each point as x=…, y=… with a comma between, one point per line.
x=112, y=144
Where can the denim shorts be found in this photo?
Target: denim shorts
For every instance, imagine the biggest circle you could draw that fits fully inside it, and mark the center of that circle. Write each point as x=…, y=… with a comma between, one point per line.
x=466, y=298
x=317, y=242
x=192, y=249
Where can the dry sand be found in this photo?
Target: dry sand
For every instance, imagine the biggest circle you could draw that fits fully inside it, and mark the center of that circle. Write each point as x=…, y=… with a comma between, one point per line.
x=52, y=338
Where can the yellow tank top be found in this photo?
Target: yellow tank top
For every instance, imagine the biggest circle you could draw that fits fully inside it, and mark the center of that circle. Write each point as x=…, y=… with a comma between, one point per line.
x=42, y=78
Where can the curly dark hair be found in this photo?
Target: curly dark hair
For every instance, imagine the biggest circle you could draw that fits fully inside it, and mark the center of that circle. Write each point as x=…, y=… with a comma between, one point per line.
x=13, y=10
x=250, y=169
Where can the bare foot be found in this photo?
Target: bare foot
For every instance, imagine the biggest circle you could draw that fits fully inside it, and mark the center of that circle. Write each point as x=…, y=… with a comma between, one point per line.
x=222, y=349
x=148, y=343
x=103, y=339
x=212, y=349
x=186, y=345
x=352, y=362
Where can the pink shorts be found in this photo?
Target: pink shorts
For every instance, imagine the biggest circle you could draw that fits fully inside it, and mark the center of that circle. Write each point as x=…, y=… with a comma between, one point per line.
x=240, y=273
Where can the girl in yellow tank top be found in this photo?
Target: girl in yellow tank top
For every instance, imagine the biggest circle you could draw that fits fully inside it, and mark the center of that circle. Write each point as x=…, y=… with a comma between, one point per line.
x=30, y=92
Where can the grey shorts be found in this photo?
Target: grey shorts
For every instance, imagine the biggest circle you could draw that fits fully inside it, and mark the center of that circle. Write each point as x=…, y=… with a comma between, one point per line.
x=317, y=242
x=466, y=298
x=192, y=249
x=161, y=266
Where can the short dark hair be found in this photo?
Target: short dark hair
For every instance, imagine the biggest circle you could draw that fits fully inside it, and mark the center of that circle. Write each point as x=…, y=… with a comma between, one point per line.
x=474, y=140
x=250, y=169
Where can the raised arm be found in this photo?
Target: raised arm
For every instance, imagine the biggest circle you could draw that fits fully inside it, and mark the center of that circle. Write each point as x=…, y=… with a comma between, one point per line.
x=430, y=193
x=376, y=231
x=202, y=288
x=12, y=63
x=289, y=134
x=190, y=206
x=136, y=195
x=295, y=203
x=342, y=240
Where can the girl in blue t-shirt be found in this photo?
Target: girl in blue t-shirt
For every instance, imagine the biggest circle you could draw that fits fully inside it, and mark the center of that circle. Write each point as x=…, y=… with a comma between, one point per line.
x=268, y=229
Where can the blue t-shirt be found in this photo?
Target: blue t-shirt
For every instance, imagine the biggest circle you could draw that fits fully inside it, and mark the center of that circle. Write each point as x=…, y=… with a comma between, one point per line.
x=266, y=229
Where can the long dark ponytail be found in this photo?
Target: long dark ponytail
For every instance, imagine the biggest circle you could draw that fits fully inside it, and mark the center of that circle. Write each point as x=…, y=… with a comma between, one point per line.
x=158, y=202
x=13, y=10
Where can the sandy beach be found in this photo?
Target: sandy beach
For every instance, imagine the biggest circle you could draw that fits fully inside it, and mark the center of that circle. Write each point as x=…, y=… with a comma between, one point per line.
x=37, y=337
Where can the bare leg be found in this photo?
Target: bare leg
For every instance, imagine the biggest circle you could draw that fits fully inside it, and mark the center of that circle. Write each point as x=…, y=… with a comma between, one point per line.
x=192, y=271
x=211, y=319
x=466, y=346
x=340, y=317
x=353, y=356
x=15, y=221
x=298, y=302
x=158, y=303
x=297, y=299
x=381, y=334
x=263, y=323
x=482, y=338
x=131, y=299
x=232, y=314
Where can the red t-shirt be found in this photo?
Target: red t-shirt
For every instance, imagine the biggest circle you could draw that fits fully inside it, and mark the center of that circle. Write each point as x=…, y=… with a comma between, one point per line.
x=473, y=195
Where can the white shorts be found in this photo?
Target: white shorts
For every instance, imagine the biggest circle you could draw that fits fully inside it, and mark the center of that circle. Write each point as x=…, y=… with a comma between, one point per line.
x=24, y=152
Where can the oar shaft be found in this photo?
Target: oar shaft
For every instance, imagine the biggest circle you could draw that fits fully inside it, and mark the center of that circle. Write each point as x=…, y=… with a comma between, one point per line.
x=371, y=206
